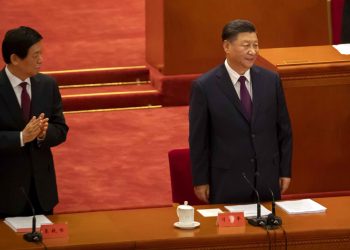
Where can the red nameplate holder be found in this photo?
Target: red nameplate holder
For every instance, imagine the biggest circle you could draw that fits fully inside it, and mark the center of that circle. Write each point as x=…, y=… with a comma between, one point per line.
x=231, y=219
x=57, y=230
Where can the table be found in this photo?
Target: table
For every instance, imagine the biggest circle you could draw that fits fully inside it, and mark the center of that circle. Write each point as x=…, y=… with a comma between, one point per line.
x=153, y=229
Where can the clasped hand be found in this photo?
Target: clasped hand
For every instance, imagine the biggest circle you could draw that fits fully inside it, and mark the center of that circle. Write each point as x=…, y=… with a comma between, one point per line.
x=36, y=128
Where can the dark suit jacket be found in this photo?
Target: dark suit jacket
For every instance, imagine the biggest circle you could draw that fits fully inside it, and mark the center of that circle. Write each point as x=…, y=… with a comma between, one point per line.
x=19, y=164
x=224, y=144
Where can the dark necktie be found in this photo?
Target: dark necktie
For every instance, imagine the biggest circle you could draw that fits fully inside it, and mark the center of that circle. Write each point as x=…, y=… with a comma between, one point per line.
x=25, y=102
x=245, y=98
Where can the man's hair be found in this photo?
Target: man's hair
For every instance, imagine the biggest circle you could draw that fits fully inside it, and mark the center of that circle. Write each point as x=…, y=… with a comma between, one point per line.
x=18, y=41
x=233, y=28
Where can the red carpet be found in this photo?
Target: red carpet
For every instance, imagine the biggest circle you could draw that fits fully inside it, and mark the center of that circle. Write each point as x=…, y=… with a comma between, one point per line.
x=82, y=33
x=118, y=159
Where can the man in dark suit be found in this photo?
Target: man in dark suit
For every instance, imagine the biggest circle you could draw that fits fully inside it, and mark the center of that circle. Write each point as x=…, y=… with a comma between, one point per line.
x=31, y=121
x=239, y=125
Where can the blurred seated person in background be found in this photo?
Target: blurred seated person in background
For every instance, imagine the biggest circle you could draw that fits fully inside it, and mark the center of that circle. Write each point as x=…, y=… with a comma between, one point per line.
x=345, y=35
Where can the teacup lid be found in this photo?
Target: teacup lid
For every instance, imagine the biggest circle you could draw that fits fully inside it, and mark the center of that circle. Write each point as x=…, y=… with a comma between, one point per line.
x=185, y=206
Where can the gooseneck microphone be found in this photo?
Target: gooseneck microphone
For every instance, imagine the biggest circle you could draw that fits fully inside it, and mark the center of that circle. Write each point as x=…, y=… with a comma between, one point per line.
x=272, y=219
x=257, y=221
x=34, y=236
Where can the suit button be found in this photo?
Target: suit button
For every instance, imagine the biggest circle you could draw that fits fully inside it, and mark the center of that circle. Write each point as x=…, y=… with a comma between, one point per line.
x=253, y=136
x=252, y=160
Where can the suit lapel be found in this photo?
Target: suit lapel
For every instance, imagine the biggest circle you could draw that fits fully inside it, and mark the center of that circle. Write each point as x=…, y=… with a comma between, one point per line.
x=8, y=94
x=257, y=88
x=226, y=86
x=36, y=93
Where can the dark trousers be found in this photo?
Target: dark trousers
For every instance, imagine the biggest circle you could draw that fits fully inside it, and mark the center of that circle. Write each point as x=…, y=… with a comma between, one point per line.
x=28, y=211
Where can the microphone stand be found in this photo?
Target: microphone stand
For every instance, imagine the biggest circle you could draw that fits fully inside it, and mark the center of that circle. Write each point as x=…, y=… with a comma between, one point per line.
x=257, y=221
x=33, y=236
x=272, y=219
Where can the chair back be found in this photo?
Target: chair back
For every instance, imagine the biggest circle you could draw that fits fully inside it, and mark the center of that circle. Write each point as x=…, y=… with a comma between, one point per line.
x=181, y=177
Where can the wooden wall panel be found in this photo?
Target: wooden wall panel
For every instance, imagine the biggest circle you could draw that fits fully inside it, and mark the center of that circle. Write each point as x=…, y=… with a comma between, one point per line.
x=316, y=81
x=155, y=33
x=191, y=30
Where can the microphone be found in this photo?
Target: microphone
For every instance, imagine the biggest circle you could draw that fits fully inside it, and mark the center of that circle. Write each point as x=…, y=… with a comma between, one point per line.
x=34, y=236
x=257, y=221
x=272, y=219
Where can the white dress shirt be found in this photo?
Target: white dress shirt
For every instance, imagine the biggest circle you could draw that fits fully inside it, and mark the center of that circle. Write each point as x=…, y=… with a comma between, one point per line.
x=15, y=82
x=236, y=84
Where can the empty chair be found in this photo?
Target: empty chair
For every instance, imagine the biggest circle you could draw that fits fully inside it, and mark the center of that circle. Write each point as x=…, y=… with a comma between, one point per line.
x=181, y=177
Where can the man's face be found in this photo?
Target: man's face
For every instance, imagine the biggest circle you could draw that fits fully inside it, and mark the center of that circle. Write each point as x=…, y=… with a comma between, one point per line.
x=30, y=65
x=242, y=52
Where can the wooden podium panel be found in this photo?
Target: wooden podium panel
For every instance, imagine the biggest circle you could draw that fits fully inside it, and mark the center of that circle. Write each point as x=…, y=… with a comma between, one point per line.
x=294, y=61
x=10, y=240
x=184, y=36
x=316, y=81
x=153, y=229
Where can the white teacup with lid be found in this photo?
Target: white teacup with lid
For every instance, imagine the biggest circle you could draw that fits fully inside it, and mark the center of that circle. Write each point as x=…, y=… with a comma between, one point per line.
x=185, y=213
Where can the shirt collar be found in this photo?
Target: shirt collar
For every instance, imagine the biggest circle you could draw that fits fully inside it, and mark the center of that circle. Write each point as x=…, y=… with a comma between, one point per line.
x=14, y=80
x=234, y=75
